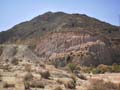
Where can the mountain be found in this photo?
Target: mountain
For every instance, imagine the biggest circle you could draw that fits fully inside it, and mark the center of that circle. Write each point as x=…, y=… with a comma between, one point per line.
x=62, y=38
x=58, y=21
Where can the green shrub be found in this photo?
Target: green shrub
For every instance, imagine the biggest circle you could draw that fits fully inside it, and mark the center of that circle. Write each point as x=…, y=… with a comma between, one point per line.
x=72, y=67
x=95, y=71
x=115, y=68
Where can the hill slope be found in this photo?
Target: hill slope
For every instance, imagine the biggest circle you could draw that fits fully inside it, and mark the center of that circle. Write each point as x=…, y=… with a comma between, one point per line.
x=84, y=39
x=60, y=21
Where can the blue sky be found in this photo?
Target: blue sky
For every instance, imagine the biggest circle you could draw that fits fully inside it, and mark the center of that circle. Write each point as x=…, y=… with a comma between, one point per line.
x=13, y=12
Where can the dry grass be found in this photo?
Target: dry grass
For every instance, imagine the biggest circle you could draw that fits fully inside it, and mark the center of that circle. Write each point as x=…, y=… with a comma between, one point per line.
x=28, y=67
x=70, y=85
x=73, y=78
x=6, y=85
x=102, y=69
x=59, y=81
x=101, y=85
x=34, y=84
x=38, y=84
x=9, y=81
x=58, y=88
x=28, y=76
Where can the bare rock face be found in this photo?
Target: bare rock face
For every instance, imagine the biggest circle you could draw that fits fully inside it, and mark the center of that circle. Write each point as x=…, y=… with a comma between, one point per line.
x=94, y=53
x=8, y=52
x=116, y=50
x=18, y=52
x=62, y=42
x=60, y=48
x=78, y=47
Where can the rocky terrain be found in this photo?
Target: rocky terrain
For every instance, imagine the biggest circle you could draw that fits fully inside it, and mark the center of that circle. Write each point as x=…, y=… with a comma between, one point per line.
x=84, y=39
x=46, y=52
x=80, y=47
x=25, y=75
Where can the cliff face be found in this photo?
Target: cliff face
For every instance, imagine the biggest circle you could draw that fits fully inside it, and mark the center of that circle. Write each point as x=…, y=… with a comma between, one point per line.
x=83, y=47
x=85, y=40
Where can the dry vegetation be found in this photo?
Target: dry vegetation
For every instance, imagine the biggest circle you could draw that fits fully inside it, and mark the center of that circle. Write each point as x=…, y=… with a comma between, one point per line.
x=81, y=40
x=101, y=85
x=102, y=69
x=47, y=77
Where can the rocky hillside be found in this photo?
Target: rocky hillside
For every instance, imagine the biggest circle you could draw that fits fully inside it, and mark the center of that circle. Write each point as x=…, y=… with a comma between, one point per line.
x=62, y=38
x=59, y=21
x=80, y=47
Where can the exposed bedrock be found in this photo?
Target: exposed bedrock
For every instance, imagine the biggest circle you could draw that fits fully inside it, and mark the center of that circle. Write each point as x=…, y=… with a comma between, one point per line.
x=18, y=52
x=83, y=47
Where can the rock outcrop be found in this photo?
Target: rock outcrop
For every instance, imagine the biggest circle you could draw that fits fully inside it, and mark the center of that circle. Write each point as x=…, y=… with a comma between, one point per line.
x=18, y=52
x=78, y=47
